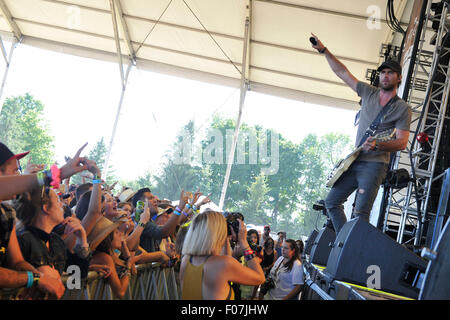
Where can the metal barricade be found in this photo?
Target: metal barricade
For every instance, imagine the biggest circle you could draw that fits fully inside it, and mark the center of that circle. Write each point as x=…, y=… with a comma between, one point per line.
x=152, y=282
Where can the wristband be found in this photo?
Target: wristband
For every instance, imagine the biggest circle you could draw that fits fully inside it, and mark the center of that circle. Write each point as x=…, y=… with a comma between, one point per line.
x=30, y=279
x=36, y=278
x=186, y=224
x=248, y=252
x=141, y=224
x=249, y=257
x=188, y=206
x=185, y=214
x=194, y=208
x=96, y=181
x=323, y=50
x=177, y=212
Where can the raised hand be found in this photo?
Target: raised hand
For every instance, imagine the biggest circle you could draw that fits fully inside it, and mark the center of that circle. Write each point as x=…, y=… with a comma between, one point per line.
x=33, y=168
x=196, y=196
x=74, y=165
x=205, y=200
x=319, y=45
x=183, y=200
x=145, y=217
x=91, y=166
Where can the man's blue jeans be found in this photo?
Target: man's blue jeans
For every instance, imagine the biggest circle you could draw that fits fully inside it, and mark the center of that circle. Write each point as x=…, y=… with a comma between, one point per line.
x=364, y=176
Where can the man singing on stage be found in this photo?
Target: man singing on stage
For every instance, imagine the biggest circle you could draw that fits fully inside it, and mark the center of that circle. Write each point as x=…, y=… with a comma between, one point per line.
x=381, y=108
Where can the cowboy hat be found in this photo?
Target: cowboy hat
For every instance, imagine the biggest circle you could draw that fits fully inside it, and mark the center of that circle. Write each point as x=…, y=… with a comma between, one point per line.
x=161, y=211
x=126, y=195
x=101, y=230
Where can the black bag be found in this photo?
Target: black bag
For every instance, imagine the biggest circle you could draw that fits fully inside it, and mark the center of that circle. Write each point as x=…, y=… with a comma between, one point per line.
x=269, y=283
x=266, y=286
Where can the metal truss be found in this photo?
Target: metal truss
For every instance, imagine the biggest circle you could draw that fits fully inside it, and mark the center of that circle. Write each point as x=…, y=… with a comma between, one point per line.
x=408, y=211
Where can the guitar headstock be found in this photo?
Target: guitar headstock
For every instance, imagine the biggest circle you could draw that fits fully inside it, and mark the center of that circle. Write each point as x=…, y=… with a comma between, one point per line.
x=385, y=135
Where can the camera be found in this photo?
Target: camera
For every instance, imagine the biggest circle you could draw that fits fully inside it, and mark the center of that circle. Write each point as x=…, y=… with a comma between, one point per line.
x=232, y=221
x=65, y=196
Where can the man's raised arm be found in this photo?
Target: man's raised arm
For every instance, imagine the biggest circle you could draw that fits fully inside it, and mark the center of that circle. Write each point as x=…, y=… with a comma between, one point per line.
x=338, y=68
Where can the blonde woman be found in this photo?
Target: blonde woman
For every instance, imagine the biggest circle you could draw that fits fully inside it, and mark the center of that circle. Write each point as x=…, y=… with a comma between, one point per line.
x=207, y=266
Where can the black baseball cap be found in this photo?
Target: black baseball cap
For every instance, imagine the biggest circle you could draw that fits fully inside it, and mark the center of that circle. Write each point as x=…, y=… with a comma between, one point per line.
x=6, y=154
x=391, y=64
x=137, y=196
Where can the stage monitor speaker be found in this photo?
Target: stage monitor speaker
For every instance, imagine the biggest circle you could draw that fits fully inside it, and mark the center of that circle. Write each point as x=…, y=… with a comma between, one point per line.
x=436, y=285
x=309, y=243
x=322, y=246
x=363, y=255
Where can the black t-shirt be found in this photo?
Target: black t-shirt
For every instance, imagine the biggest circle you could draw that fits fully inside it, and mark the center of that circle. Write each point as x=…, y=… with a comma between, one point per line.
x=32, y=242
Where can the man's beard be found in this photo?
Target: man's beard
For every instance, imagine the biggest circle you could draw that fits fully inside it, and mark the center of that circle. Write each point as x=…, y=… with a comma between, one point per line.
x=389, y=87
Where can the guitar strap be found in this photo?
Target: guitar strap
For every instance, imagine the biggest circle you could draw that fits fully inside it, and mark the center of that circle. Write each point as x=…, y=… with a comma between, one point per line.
x=374, y=126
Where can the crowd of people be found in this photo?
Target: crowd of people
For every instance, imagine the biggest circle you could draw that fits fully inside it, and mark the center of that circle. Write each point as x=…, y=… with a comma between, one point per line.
x=48, y=224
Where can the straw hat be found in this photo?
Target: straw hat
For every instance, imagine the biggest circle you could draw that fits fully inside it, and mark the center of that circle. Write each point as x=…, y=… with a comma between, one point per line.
x=161, y=211
x=101, y=230
x=126, y=195
x=164, y=204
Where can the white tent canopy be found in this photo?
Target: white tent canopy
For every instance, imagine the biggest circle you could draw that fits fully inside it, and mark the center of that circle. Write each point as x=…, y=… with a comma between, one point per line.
x=204, y=39
x=257, y=45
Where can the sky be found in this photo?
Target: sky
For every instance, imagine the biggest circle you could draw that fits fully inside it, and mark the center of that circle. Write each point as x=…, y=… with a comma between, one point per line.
x=81, y=98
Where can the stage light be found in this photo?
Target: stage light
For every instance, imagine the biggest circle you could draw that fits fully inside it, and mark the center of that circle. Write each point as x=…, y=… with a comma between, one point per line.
x=422, y=137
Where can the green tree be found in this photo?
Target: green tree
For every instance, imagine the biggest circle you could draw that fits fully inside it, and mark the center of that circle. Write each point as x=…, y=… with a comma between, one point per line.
x=283, y=198
x=180, y=171
x=255, y=208
x=144, y=181
x=23, y=128
x=320, y=155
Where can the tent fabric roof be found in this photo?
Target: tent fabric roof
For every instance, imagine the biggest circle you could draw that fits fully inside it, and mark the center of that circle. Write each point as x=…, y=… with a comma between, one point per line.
x=198, y=38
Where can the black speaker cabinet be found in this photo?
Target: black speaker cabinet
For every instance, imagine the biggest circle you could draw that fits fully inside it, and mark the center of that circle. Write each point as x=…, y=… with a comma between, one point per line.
x=436, y=285
x=365, y=256
x=321, y=246
x=309, y=243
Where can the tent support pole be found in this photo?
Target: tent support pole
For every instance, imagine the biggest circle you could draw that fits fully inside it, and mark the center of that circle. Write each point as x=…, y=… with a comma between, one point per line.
x=124, y=82
x=8, y=64
x=244, y=89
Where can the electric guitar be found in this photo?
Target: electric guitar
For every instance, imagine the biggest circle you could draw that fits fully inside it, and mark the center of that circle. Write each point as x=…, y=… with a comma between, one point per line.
x=342, y=165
